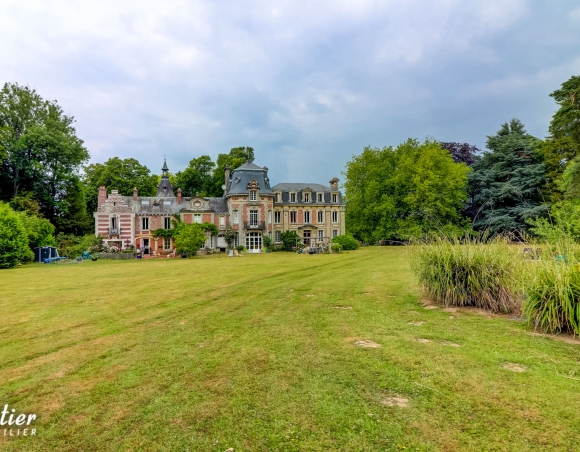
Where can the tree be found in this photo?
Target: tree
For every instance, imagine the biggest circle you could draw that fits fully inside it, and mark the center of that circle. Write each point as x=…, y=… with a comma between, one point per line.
x=404, y=192
x=236, y=158
x=40, y=231
x=505, y=185
x=189, y=239
x=14, y=247
x=40, y=146
x=118, y=174
x=461, y=152
x=289, y=239
x=198, y=178
x=70, y=215
x=563, y=143
x=563, y=224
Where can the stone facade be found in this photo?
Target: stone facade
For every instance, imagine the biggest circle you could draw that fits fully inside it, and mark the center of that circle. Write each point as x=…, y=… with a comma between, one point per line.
x=249, y=205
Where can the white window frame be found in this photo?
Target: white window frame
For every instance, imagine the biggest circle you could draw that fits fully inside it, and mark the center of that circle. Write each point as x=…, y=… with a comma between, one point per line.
x=334, y=197
x=254, y=217
x=320, y=217
x=144, y=223
x=269, y=217
x=320, y=235
x=167, y=243
x=277, y=236
x=306, y=215
x=305, y=197
x=278, y=196
x=236, y=217
x=197, y=218
x=335, y=216
x=295, y=214
x=278, y=217
x=293, y=197
x=253, y=195
x=167, y=223
x=222, y=220
x=320, y=197
x=237, y=239
x=335, y=233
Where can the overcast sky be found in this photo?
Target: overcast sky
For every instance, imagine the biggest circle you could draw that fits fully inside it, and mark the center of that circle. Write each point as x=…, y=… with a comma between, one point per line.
x=306, y=83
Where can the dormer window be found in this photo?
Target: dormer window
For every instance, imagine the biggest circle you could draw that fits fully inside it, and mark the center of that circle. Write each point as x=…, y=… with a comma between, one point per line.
x=253, y=195
x=277, y=197
x=334, y=197
x=320, y=197
x=166, y=203
x=292, y=197
x=306, y=197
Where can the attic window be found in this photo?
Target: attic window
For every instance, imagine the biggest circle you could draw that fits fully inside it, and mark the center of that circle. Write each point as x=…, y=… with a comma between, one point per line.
x=166, y=203
x=292, y=197
x=144, y=202
x=320, y=197
x=253, y=195
x=306, y=197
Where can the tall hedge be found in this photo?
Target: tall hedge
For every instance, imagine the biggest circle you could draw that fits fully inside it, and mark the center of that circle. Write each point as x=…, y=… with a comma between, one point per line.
x=13, y=239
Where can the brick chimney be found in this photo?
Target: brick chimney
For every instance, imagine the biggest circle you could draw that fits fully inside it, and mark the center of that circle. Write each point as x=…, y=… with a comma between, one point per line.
x=179, y=196
x=334, y=183
x=102, y=195
x=227, y=176
x=135, y=192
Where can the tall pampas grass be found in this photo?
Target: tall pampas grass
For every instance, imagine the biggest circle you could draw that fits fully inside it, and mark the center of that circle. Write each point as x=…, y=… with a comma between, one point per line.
x=470, y=271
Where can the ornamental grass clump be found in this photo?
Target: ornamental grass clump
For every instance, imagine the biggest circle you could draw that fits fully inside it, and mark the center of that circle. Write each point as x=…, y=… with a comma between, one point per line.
x=476, y=272
x=552, y=288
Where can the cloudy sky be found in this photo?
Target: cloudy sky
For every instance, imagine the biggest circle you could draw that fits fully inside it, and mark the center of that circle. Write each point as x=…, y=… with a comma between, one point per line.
x=306, y=83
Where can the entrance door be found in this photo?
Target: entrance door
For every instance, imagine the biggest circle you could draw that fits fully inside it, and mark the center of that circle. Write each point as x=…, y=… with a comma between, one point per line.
x=306, y=235
x=146, y=246
x=253, y=242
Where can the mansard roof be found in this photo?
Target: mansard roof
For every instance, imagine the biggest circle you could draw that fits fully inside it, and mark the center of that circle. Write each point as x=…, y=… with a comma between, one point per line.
x=218, y=205
x=299, y=186
x=242, y=176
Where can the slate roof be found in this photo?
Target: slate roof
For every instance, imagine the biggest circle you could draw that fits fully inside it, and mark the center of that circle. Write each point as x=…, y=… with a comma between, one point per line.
x=218, y=205
x=241, y=177
x=297, y=186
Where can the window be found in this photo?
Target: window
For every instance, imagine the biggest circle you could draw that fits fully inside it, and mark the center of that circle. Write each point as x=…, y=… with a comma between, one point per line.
x=334, y=197
x=277, y=236
x=145, y=224
x=320, y=236
x=236, y=220
x=197, y=218
x=167, y=243
x=222, y=221
x=253, y=241
x=269, y=217
x=335, y=217
x=237, y=239
x=253, y=218
x=277, y=197
x=306, y=197
x=292, y=197
x=277, y=216
x=253, y=195
x=167, y=223
x=144, y=202
x=334, y=233
x=166, y=203
x=320, y=197
x=293, y=217
x=113, y=222
x=320, y=218
x=306, y=217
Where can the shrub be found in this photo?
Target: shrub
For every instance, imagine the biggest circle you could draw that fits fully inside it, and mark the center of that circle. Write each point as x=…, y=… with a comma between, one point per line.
x=347, y=242
x=14, y=247
x=240, y=248
x=469, y=272
x=189, y=238
x=336, y=247
x=40, y=231
x=289, y=239
x=267, y=241
x=552, y=289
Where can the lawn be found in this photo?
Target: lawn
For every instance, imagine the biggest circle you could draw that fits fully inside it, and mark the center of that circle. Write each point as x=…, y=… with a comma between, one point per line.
x=271, y=353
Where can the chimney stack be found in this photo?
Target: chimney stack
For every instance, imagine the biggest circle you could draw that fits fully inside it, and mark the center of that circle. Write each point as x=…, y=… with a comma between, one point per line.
x=102, y=195
x=227, y=176
x=135, y=193
x=179, y=196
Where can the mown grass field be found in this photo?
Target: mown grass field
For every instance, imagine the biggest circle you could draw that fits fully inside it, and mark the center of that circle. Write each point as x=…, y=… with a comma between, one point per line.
x=260, y=353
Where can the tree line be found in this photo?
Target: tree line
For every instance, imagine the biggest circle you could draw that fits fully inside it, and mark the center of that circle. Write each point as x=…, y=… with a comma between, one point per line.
x=520, y=184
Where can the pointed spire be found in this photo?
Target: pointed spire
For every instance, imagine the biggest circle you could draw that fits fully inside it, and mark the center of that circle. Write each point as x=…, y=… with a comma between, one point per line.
x=165, y=169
